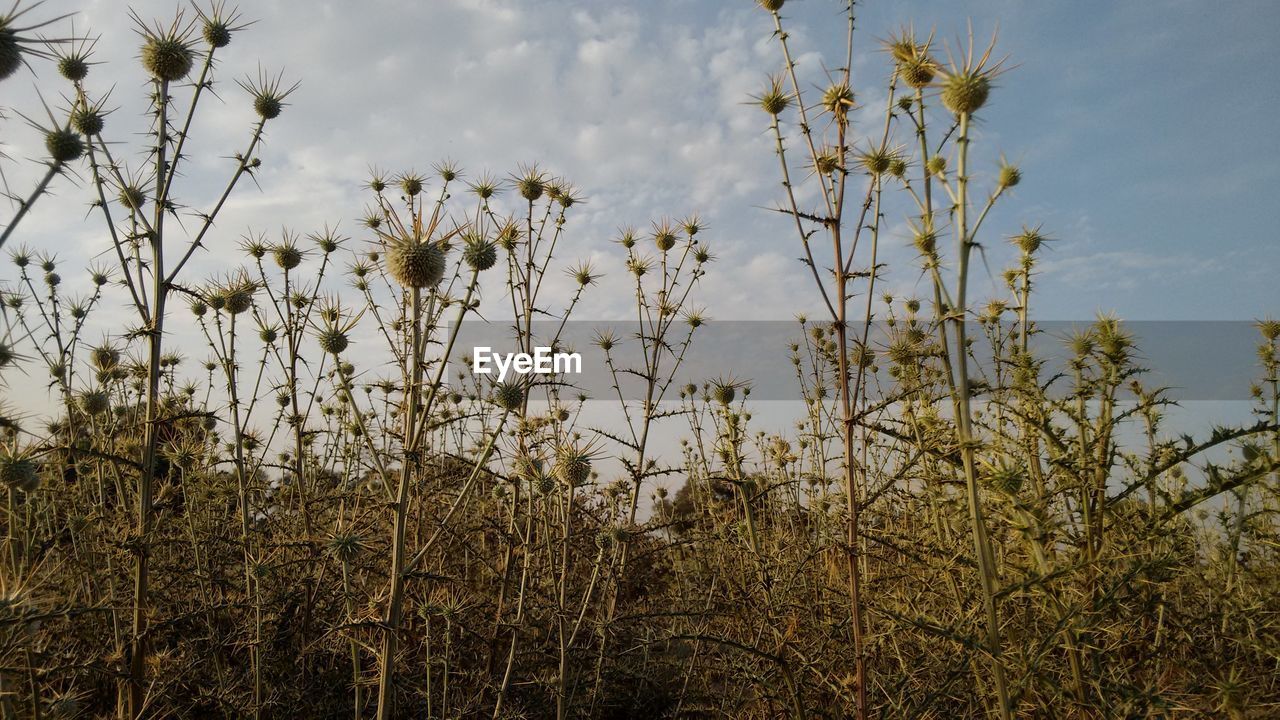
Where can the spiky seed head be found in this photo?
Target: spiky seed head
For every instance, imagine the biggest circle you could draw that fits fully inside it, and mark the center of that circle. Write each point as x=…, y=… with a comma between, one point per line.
x=1270, y=329
x=327, y=243
x=918, y=71
x=19, y=471
x=544, y=485
x=199, y=308
x=7, y=355
x=88, y=121
x=898, y=168
x=573, y=467
x=64, y=145
x=723, y=392
x=774, y=99
x=771, y=5
x=132, y=197
x=1006, y=478
x=216, y=32
x=838, y=99
x=333, y=340
x=411, y=185
x=965, y=92
x=480, y=254
x=94, y=402
x=239, y=297
x=73, y=67
x=936, y=165
x=828, y=160
x=1009, y=176
x=1029, y=240
x=415, y=262
x=926, y=241
x=167, y=57
x=346, y=546
x=447, y=170
x=508, y=396
x=531, y=184
x=104, y=357
x=664, y=238
x=876, y=160
x=1081, y=343
x=268, y=106
x=10, y=53
x=509, y=236
x=52, y=279
x=268, y=335
x=287, y=255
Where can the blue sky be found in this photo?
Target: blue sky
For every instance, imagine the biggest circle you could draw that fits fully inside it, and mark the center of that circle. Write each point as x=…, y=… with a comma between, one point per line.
x=1144, y=130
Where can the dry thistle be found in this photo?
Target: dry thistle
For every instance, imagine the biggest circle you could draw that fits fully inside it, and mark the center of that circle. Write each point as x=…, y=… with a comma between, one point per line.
x=415, y=262
x=166, y=51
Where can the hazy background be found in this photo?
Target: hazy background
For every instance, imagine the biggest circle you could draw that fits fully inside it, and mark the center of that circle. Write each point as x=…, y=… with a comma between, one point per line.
x=1143, y=131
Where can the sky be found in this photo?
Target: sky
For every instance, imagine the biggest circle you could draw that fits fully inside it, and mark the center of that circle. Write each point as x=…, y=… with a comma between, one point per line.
x=1143, y=131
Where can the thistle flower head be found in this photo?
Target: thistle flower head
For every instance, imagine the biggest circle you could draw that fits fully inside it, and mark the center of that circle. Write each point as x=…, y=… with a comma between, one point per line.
x=479, y=254
x=530, y=182
x=877, y=160
x=484, y=187
x=772, y=6
x=1270, y=329
x=167, y=54
x=774, y=99
x=583, y=273
x=967, y=84
x=1008, y=175
x=1029, y=240
x=332, y=333
x=88, y=119
x=415, y=261
x=64, y=145
x=105, y=356
x=328, y=240
x=218, y=24
x=447, y=170
x=838, y=99
x=828, y=160
x=936, y=165
x=724, y=390
x=15, y=43
x=19, y=470
x=254, y=247
x=411, y=184
x=94, y=402
x=346, y=546
x=573, y=464
x=268, y=94
x=286, y=254
x=508, y=396
x=664, y=235
x=74, y=64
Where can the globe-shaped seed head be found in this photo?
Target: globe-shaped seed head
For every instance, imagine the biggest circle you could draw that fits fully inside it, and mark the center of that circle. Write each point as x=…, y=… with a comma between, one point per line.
x=480, y=255
x=415, y=262
x=964, y=93
x=64, y=145
x=167, y=57
x=333, y=341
